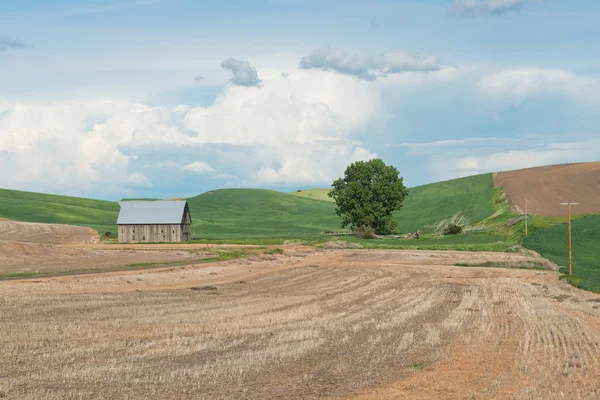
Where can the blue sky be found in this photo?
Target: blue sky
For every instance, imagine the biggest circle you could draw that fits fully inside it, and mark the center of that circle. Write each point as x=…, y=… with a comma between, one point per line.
x=171, y=98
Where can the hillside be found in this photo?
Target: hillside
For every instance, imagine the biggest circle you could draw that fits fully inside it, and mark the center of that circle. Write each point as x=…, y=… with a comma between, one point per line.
x=472, y=196
x=552, y=243
x=250, y=214
x=547, y=187
x=246, y=214
x=48, y=208
x=317, y=194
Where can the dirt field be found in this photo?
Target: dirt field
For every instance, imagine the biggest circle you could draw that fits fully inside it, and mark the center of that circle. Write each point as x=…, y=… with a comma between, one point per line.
x=46, y=233
x=546, y=187
x=46, y=248
x=356, y=324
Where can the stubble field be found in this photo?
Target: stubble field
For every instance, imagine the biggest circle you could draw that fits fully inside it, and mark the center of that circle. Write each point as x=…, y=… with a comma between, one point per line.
x=310, y=323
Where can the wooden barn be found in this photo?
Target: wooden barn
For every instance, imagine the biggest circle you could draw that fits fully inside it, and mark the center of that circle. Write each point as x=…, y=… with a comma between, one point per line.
x=154, y=221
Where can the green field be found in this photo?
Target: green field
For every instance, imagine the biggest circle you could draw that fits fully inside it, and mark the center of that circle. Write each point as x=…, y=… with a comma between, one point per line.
x=48, y=208
x=254, y=214
x=552, y=243
x=244, y=215
x=317, y=194
x=472, y=196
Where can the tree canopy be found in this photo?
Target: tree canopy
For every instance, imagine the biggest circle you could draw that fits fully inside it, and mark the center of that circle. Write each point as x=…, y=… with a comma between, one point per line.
x=368, y=194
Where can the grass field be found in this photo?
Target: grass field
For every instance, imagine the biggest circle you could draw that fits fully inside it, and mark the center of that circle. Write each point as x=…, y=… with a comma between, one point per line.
x=472, y=196
x=253, y=214
x=47, y=208
x=552, y=243
x=317, y=194
x=265, y=216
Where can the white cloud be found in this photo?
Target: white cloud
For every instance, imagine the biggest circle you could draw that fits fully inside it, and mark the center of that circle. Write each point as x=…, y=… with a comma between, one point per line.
x=298, y=129
x=368, y=68
x=243, y=73
x=199, y=167
x=139, y=179
x=488, y=7
x=319, y=167
x=514, y=154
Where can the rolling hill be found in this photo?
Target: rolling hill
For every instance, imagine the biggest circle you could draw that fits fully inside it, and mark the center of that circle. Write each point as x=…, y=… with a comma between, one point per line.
x=251, y=214
x=54, y=209
x=547, y=187
x=247, y=214
x=317, y=194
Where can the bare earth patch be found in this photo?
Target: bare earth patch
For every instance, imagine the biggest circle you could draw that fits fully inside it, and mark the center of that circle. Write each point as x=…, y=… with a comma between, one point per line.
x=547, y=187
x=310, y=323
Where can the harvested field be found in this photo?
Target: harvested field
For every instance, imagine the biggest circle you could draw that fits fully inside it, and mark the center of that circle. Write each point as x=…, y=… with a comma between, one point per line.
x=546, y=187
x=46, y=233
x=54, y=249
x=306, y=324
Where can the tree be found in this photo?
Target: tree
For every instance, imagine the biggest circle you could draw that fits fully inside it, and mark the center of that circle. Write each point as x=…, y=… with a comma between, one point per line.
x=368, y=194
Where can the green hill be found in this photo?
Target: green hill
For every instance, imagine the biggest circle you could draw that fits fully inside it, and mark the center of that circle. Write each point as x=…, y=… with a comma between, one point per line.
x=248, y=214
x=473, y=196
x=48, y=208
x=317, y=194
x=553, y=244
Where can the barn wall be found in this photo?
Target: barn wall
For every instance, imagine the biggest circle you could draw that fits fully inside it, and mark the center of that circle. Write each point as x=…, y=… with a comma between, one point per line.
x=186, y=226
x=150, y=233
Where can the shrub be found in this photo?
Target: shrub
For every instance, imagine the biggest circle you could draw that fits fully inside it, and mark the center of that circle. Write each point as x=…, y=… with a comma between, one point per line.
x=452, y=229
x=388, y=226
x=364, y=232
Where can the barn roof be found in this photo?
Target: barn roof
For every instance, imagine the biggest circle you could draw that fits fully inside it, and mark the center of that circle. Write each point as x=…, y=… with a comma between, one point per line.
x=151, y=212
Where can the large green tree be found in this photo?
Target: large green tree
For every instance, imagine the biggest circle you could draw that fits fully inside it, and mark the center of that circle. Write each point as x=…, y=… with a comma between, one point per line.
x=368, y=194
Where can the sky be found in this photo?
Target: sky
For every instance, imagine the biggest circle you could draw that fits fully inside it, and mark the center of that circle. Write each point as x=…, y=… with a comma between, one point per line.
x=172, y=98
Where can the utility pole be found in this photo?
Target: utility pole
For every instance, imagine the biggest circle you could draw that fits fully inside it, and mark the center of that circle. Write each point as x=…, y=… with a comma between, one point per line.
x=570, y=237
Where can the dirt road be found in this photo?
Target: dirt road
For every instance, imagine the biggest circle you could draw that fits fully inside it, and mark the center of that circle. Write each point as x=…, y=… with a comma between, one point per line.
x=308, y=324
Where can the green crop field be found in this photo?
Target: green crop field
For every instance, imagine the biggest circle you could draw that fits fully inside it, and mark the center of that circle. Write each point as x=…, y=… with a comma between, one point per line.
x=317, y=194
x=244, y=215
x=251, y=214
x=47, y=208
x=552, y=243
x=472, y=196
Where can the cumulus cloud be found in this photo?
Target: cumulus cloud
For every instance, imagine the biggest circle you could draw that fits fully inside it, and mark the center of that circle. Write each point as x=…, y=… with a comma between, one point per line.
x=368, y=68
x=199, y=167
x=7, y=43
x=488, y=7
x=198, y=78
x=243, y=73
x=291, y=130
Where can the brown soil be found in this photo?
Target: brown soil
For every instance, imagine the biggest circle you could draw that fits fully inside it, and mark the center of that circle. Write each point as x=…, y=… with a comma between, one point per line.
x=547, y=187
x=46, y=233
x=361, y=324
x=54, y=249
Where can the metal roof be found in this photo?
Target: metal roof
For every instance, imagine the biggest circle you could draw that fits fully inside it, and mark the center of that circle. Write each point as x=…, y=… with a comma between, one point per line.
x=151, y=212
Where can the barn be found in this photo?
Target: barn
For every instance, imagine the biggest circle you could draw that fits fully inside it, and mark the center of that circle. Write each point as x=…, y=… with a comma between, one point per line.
x=154, y=221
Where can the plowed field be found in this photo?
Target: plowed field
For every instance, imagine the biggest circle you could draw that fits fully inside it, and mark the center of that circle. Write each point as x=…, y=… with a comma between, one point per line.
x=307, y=324
x=46, y=233
x=547, y=187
